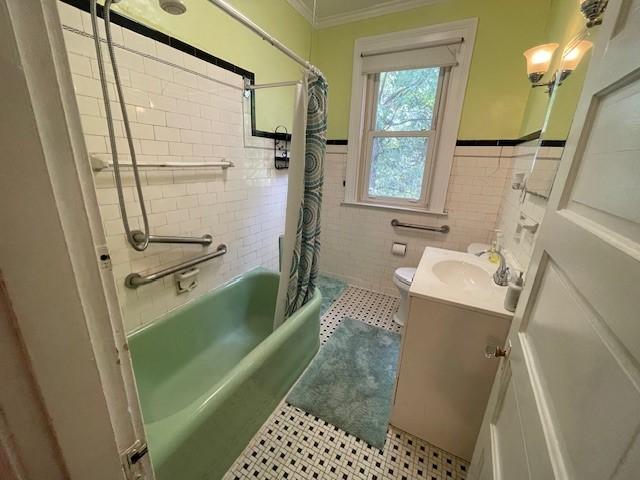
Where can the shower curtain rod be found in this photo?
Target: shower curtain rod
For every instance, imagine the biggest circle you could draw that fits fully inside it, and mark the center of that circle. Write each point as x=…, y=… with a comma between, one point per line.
x=229, y=10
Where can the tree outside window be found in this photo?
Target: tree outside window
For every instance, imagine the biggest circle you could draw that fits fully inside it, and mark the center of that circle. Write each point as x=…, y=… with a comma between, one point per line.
x=402, y=123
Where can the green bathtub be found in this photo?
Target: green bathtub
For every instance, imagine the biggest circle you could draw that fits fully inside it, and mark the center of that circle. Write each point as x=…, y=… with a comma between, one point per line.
x=210, y=373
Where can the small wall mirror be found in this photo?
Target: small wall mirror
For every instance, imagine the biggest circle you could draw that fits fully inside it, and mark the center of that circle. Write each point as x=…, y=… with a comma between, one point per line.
x=565, y=93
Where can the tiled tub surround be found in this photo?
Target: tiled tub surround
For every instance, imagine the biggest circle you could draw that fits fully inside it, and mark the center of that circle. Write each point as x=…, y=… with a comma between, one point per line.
x=356, y=241
x=181, y=109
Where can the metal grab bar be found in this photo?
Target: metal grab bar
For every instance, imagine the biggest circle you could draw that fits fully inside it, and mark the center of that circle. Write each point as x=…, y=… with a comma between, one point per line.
x=442, y=229
x=135, y=280
x=205, y=240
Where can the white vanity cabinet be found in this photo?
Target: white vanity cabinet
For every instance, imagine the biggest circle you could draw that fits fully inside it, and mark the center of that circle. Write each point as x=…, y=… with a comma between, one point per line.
x=444, y=377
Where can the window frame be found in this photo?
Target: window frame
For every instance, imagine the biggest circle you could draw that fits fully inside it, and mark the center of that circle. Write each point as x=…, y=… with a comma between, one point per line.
x=369, y=134
x=445, y=141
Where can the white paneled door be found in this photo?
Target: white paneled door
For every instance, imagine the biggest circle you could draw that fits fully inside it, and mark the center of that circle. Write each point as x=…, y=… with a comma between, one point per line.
x=566, y=400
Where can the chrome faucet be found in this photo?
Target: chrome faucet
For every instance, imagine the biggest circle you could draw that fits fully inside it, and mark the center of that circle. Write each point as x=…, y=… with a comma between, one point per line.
x=501, y=276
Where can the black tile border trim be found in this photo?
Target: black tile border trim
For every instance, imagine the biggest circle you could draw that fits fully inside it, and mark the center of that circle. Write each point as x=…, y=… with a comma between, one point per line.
x=487, y=143
x=148, y=32
x=484, y=143
x=499, y=142
x=553, y=143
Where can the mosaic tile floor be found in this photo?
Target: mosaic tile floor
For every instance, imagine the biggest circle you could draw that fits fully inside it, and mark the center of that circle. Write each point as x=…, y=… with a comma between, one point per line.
x=293, y=444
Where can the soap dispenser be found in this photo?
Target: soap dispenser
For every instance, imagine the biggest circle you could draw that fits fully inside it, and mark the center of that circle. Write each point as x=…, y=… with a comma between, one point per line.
x=513, y=294
x=496, y=246
x=493, y=253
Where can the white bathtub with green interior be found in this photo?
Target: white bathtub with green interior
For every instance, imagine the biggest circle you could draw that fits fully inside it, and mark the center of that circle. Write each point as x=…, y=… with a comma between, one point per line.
x=210, y=373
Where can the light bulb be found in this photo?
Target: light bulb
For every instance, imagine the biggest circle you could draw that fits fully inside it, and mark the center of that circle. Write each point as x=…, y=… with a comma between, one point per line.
x=539, y=59
x=573, y=58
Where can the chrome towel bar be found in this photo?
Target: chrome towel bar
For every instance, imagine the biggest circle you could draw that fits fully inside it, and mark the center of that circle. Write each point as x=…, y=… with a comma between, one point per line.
x=135, y=280
x=442, y=229
x=98, y=164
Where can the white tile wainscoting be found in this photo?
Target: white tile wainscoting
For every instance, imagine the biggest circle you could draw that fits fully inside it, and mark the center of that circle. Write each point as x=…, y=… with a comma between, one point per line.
x=356, y=241
x=184, y=109
x=514, y=203
x=188, y=111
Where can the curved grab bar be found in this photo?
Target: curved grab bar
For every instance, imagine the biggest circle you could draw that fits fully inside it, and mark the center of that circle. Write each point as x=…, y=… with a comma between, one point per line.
x=135, y=280
x=442, y=229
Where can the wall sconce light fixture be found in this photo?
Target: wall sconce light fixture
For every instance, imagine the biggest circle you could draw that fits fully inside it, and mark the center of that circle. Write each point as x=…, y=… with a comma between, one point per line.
x=593, y=11
x=539, y=59
x=573, y=58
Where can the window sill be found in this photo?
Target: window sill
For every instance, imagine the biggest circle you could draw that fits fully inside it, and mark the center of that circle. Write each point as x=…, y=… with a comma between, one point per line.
x=418, y=210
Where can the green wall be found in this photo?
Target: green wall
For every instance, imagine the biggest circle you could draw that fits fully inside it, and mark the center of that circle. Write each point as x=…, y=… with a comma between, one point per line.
x=498, y=87
x=208, y=28
x=565, y=22
x=499, y=101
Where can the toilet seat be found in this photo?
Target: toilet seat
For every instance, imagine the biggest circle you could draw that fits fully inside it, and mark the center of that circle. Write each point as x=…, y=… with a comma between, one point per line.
x=405, y=275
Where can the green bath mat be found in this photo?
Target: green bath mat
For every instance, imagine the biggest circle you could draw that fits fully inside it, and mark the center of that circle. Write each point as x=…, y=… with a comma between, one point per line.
x=350, y=382
x=331, y=289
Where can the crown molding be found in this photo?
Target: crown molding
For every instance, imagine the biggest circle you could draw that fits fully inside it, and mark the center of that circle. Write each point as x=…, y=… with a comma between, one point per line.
x=364, y=13
x=300, y=7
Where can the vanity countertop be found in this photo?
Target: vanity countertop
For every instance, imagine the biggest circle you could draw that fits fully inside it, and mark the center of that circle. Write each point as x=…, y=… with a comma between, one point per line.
x=459, y=278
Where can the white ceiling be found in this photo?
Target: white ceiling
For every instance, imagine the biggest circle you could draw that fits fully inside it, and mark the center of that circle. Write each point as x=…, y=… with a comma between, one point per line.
x=335, y=12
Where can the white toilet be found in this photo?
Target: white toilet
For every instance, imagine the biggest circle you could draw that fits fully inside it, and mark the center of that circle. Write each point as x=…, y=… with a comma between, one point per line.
x=476, y=248
x=402, y=279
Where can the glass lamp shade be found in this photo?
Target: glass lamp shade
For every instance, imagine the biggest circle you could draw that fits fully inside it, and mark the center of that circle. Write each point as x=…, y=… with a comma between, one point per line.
x=573, y=58
x=539, y=59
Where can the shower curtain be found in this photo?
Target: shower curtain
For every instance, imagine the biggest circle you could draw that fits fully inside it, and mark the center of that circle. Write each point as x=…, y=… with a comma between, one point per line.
x=301, y=245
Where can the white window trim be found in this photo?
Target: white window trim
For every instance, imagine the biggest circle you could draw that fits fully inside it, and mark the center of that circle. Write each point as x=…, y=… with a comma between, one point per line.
x=451, y=119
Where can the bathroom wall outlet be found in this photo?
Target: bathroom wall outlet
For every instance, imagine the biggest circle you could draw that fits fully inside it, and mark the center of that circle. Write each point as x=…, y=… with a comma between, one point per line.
x=104, y=259
x=186, y=281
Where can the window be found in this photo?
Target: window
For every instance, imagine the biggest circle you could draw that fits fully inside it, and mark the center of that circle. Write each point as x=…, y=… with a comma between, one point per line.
x=401, y=128
x=407, y=94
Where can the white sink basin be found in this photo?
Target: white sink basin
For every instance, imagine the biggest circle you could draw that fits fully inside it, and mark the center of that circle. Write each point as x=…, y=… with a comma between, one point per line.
x=460, y=273
x=459, y=278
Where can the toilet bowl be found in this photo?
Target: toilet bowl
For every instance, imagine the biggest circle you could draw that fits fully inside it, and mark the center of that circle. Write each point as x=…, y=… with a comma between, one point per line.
x=402, y=279
x=476, y=248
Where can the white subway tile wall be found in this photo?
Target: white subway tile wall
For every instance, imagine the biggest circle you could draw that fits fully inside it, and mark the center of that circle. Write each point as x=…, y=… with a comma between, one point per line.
x=177, y=115
x=520, y=242
x=356, y=241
